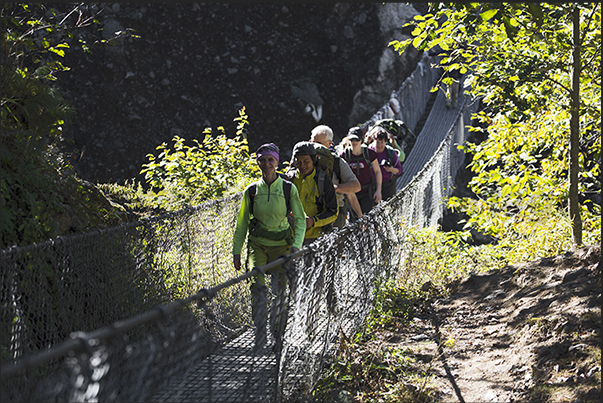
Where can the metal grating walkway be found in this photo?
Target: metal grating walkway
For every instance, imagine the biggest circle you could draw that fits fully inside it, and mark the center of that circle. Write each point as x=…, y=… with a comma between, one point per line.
x=227, y=376
x=435, y=129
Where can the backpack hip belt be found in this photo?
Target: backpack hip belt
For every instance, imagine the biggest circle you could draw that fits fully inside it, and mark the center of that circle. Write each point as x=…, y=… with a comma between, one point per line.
x=256, y=231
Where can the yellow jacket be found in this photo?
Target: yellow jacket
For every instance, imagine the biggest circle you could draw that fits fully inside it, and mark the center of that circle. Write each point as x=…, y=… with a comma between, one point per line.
x=323, y=209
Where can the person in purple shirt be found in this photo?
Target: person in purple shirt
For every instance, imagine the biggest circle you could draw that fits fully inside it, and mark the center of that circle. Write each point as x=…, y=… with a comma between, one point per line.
x=364, y=164
x=389, y=162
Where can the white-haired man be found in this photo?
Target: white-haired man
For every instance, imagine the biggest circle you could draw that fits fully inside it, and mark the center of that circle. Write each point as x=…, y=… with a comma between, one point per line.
x=346, y=185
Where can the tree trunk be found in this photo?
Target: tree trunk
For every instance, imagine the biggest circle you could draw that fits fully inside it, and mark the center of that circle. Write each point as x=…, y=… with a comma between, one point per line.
x=574, y=167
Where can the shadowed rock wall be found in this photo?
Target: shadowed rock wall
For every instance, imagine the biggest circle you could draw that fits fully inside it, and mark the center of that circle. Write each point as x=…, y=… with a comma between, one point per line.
x=195, y=65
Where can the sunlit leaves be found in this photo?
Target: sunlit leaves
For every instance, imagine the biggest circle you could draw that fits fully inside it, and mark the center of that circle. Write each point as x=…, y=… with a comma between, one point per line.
x=520, y=175
x=504, y=47
x=488, y=15
x=188, y=174
x=518, y=60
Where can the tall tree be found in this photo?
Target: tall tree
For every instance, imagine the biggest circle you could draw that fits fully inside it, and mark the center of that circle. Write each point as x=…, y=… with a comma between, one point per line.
x=574, y=207
x=524, y=60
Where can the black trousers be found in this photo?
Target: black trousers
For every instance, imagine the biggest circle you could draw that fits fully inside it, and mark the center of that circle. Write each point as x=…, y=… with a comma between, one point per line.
x=388, y=189
x=366, y=201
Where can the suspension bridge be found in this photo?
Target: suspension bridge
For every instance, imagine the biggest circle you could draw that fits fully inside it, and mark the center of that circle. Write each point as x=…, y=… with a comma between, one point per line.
x=98, y=316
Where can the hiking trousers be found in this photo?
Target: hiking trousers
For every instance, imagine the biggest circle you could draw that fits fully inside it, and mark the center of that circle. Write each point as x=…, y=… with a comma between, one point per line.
x=366, y=201
x=259, y=255
x=388, y=188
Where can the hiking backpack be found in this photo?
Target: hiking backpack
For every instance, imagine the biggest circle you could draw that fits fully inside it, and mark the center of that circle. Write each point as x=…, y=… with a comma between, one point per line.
x=322, y=171
x=319, y=177
x=396, y=127
x=327, y=161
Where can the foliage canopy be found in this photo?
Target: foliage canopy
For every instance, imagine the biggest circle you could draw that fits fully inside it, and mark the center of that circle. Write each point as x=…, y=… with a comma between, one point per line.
x=519, y=58
x=41, y=197
x=32, y=114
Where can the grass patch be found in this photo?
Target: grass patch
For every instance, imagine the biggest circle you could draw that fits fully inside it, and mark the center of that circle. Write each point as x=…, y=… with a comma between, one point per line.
x=365, y=372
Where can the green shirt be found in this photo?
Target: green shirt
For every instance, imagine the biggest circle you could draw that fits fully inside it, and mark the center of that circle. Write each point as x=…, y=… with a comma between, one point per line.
x=270, y=210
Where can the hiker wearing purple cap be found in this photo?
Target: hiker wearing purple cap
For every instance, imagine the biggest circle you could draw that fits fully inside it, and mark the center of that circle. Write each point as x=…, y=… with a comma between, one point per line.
x=263, y=219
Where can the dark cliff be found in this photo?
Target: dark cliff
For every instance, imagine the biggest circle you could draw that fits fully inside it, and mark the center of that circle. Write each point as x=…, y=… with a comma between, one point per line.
x=194, y=65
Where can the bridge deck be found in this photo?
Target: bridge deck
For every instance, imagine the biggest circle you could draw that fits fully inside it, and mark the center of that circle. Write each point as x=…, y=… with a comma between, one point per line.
x=436, y=127
x=232, y=374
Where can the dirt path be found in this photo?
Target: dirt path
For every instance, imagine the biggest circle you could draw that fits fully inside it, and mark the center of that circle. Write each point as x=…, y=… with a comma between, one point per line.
x=529, y=332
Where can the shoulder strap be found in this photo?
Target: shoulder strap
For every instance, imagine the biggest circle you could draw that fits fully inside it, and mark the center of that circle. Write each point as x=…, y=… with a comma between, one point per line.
x=286, y=188
x=390, y=150
x=251, y=193
x=336, y=166
x=367, y=158
x=319, y=177
x=287, y=191
x=365, y=154
x=347, y=153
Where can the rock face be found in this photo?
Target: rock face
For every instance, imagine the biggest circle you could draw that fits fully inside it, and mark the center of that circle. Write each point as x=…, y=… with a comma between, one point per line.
x=195, y=65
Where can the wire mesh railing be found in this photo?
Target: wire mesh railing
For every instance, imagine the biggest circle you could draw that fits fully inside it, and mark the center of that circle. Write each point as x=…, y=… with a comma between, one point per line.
x=341, y=272
x=154, y=310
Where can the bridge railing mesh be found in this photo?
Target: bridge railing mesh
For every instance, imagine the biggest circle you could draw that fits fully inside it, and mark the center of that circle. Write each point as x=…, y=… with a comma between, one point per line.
x=338, y=277
x=80, y=283
x=154, y=311
x=408, y=102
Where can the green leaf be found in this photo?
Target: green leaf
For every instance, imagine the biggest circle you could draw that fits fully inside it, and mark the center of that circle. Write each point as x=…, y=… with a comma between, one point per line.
x=489, y=14
x=536, y=11
x=418, y=41
x=506, y=190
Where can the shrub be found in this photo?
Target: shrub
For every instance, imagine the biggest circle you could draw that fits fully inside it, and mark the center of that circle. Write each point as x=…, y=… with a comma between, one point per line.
x=190, y=174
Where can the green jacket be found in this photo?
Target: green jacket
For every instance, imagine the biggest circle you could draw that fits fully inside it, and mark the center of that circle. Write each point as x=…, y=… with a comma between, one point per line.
x=270, y=212
x=323, y=210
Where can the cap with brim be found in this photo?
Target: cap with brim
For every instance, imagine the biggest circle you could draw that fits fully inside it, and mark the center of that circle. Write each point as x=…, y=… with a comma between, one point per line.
x=357, y=130
x=353, y=137
x=304, y=148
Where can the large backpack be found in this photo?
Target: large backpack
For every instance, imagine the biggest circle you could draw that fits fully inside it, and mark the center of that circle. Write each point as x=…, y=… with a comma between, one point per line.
x=319, y=177
x=327, y=161
x=396, y=127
